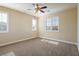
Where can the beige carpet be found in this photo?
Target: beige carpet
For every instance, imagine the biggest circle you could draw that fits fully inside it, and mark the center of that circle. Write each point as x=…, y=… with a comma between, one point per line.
x=39, y=47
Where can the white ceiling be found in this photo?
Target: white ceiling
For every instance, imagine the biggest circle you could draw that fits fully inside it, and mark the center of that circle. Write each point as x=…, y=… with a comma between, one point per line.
x=51, y=7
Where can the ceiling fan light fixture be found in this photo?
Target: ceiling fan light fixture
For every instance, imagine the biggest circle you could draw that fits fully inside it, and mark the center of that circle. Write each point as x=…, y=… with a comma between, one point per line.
x=39, y=8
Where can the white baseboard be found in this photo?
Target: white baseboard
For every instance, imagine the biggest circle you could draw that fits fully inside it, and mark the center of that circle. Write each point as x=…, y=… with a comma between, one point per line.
x=4, y=44
x=60, y=40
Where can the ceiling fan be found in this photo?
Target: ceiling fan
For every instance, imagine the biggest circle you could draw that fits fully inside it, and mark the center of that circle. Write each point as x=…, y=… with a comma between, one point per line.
x=38, y=8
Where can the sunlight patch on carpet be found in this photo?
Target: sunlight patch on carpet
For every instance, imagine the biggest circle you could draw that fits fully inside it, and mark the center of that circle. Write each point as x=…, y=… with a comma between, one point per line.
x=50, y=41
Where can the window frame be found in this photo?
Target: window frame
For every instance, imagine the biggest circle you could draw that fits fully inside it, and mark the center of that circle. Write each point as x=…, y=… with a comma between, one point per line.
x=35, y=25
x=7, y=23
x=46, y=30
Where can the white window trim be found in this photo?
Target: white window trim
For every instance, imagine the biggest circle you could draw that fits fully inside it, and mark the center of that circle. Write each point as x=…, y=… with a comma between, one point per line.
x=53, y=30
x=7, y=23
x=36, y=25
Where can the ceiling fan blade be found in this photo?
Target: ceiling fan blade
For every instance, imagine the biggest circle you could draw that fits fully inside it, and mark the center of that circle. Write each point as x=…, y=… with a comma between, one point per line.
x=43, y=7
x=42, y=11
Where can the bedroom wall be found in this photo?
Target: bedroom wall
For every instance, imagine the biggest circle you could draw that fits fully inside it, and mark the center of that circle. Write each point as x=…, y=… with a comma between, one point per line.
x=20, y=26
x=78, y=27
x=67, y=29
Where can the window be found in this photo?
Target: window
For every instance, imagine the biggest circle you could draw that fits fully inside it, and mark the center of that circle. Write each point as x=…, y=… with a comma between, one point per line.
x=34, y=25
x=52, y=24
x=3, y=22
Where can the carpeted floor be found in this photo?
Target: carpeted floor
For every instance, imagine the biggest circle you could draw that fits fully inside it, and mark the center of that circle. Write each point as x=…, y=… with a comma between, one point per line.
x=39, y=47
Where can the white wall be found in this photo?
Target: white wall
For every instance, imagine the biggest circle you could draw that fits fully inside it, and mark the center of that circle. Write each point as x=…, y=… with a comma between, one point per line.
x=20, y=27
x=67, y=28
